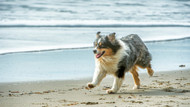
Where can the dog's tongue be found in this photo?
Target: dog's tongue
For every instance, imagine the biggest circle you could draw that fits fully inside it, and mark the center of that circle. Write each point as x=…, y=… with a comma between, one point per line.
x=98, y=55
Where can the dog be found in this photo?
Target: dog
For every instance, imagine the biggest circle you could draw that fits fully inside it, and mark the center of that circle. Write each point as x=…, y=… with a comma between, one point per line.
x=118, y=56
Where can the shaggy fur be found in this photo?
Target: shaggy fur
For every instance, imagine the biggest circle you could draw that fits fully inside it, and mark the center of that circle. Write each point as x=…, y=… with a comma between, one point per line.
x=116, y=57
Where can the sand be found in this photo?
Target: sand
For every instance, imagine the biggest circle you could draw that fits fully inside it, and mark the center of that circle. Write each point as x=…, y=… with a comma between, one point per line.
x=164, y=89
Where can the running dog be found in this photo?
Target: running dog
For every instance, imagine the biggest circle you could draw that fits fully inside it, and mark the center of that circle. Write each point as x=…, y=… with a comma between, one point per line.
x=118, y=56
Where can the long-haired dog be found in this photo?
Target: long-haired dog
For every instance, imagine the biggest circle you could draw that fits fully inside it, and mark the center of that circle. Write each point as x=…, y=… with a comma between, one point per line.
x=116, y=57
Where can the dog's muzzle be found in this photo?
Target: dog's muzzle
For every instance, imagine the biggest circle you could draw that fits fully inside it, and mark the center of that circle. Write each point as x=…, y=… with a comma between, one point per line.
x=98, y=53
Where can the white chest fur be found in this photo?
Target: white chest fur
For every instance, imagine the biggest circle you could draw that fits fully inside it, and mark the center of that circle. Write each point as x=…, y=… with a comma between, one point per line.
x=109, y=64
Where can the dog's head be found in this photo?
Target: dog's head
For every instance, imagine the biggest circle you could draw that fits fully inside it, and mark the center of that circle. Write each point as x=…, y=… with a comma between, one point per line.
x=105, y=45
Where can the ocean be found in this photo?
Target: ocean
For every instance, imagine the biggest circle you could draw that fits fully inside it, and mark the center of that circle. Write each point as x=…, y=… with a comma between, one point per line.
x=53, y=40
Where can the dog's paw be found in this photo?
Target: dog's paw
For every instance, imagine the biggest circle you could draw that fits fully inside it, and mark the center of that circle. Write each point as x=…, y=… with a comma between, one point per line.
x=110, y=91
x=90, y=86
x=136, y=87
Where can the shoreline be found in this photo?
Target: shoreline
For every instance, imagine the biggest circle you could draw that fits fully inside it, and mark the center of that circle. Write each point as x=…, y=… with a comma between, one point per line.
x=61, y=48
x=171, y=88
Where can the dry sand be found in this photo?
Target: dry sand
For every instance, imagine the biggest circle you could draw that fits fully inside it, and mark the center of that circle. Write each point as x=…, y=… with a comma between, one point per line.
x=164, y=89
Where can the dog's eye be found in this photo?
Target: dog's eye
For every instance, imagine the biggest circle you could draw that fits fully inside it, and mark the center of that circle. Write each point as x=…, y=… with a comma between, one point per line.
x=102, y=46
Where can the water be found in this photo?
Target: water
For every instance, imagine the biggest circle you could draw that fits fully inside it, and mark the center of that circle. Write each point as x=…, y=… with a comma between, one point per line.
x=53, y=65
x=94, y=13
x=43, y=40
x=27, y=25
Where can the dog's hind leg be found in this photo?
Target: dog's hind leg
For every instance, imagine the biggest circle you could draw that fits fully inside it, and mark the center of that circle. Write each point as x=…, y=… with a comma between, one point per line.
x=135, y=77
x=150, y=71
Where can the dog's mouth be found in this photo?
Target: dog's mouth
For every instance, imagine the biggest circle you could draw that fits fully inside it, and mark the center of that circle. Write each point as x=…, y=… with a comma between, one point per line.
x=100, y=54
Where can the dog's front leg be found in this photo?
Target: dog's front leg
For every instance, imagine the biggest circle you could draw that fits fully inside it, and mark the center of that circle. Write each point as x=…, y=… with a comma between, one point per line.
x=116, y=85
x=98, y=76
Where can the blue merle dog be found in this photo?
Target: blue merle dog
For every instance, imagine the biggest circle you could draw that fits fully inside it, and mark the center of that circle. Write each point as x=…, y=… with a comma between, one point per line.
x=118, y=56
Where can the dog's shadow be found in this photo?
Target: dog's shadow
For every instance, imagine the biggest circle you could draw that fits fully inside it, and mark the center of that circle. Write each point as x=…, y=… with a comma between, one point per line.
x=153, y=92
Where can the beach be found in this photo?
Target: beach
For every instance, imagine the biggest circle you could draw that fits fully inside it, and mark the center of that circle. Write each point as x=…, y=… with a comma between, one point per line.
x=58, y=77
x=164, y=89
x=46, y=52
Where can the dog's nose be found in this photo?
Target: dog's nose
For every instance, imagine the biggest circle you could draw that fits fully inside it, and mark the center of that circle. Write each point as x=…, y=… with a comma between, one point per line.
x=95, y=51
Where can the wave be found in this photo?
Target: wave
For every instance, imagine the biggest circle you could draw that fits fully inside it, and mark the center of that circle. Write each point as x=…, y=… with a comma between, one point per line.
x=87, y=23
x=167, y=40
x=85, y=46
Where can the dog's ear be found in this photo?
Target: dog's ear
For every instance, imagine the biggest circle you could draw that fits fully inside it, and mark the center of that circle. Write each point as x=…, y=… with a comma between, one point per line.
x=98, y=34
x=111, y=37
